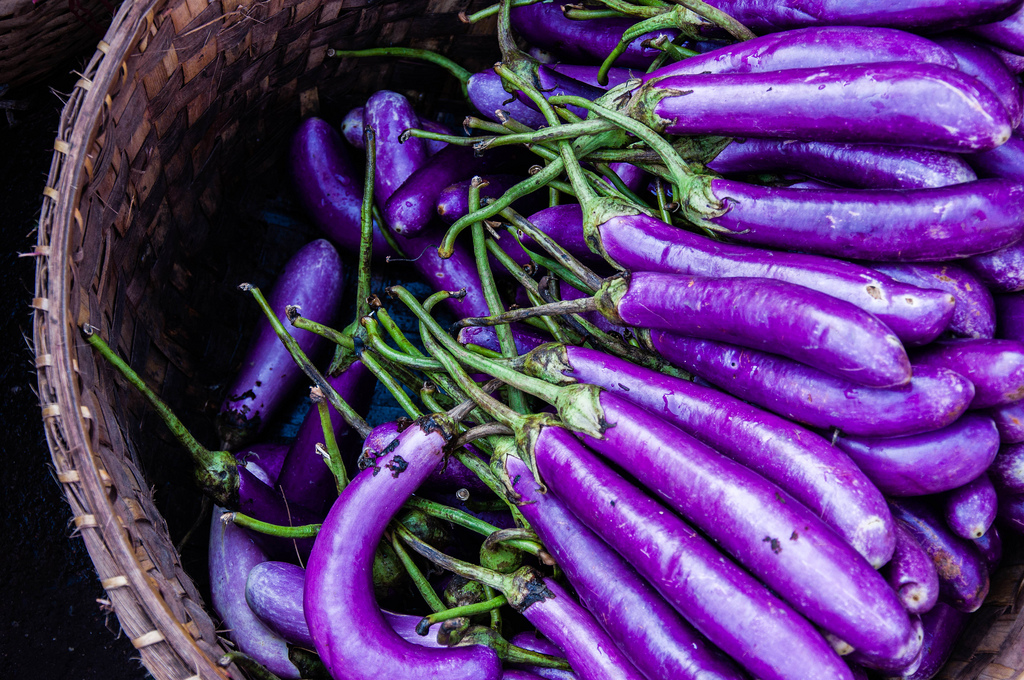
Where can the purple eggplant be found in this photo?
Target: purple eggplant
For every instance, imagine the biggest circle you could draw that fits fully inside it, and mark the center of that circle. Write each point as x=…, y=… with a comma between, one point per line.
x=812, y=47
x=1007, y=32
x=585, y=73
x=909, y=104
x=934, y=398
x=525, y=338
x=963, y=576
x=980, y=62
x=623, y=603
x=1011, y=512
x=1010, y=316
x=1002, y=270
x=991, y=547
x=870, y=166
x=805, y=465
x=1005, y=161
x=536, y=643
x=1007, y=471
x=1014, y=62
x=305, y=479
x=350, y=634
x=642, y=243
x=971, y=508
x=927, y=463
x=352, y=130
x=942, y=626
x=231, y=557
x=273, y=591
x=994, y=367
x=487, y=93
x=453, y=201
x=519, y=674
x=267, y=456
x=974, y=315
x=1009, y=421
x=733, y=610
x=591, y=40
x=564, y=224
x=912, y=574
x=765, y=529
x=913, y=225
x=390, y=114
x=797, y=322
x=313, y=281
x=551, y=82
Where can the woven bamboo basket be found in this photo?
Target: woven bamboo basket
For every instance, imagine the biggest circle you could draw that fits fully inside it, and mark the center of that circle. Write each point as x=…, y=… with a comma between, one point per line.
x=151, y=217
x=36, y=37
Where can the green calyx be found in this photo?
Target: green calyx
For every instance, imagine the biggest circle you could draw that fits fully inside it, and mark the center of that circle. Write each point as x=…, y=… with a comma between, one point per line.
x=526, y=440
x=579, y=407
x=597, y=211
x=218, y=478
x=548, y=362
x=527, y=589
x=609, y=294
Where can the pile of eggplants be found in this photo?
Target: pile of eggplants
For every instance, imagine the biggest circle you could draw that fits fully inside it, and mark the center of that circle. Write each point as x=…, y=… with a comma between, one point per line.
x=722, y=377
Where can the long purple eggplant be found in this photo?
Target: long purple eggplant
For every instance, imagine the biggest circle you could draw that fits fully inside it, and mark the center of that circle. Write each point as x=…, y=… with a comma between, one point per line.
x=390, y=114
x=971, y=508
x=914, y=225
x=1002, y=269
x=912, y=574
x=1007, y=32
x=453, y=201
x=624, y=604
x=812, y=47
x=564, y=224
x=927, y=463
x=994, y=367
x=312, y=280
x=934, y=398
x=525, y=338
x=979, y=61
x=1009, y=421
x=487, y=93
x=1006, y=160
x=273, y=591
x=350, y=634
x=765, y=529
x=974, y=314
x=352, y=130
x=733, y=610
x=1007, y=471
x=963, y=576
x=909, y=104
x=803, y=324
x=536, y=643
x=869, y=166
x=803, y=464
x=1010, y=316
x=942, y=627
x=642, y=243
x=232, y=555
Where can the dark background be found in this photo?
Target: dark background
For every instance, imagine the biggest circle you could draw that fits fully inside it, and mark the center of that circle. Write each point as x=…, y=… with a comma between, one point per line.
x=51, y=625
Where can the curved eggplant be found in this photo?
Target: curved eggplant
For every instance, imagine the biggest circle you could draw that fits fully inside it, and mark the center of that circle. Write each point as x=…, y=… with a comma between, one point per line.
x=971, y=508
x=1007, y=32
x=487, y=93
x=912, y=574
x=1002, y=269
x=980, y=62
x=942, y=626
x=994, y=367
x=974, y=315
x=390, y=114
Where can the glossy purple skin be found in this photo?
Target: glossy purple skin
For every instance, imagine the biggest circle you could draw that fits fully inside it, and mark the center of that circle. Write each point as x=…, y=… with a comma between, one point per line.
x=869, y=166
x=935, y=397
x=567, y=292
x=350, y=633
x=802, y=463
x=1009, y=421
x=1007, y=471
x=411, y=207
x=589, y=41
x=979, y=61
x=621, y=601
x=1002, y=270
x=273, y=591
x=803, y=324
x=587, y=647
x=269, y=456
x=971, y=508
x=994, y=367
x=232, y=555
x=1011, y=512
x=908, y=104
x=588, y=74
x=991, y=547
x=765, y=16
x=812, y=47
x=454, y=273
x=631, y=175
x=974, y=315
x=305, y=479
x=942, y=626
x=963, y=576
x=731, y=608
x=926, y=463
x=525, y=338
x=536, y=643
x=453, y=201
x=258, y=499
x=352, y=131
x=1007, y=32
x=641, y=243
x=330, y=187
x=914, y=225
x=390, y=114
x=312, y=280
x=564, y=224
x=1010, y=316
x=487, y=95
x=1014, y=62
x=912, y=574
x=1005, y=161
x=777, y=538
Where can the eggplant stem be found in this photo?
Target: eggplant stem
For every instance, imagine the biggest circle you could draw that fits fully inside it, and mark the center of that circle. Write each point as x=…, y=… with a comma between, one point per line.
x=366, y=225
x=462, y=568
x=419, y=580
x=467, y=610
x=253, y=524
x=339, y=338
x=462, y=74
x=333, y=457
x=578, y=306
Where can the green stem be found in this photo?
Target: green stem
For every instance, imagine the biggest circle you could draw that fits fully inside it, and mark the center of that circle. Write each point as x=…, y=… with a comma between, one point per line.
x=215, y=471
x=717, y=17
x=376, y=342
x=389, y=236
x=578, y=306
x=466, y=610
x=419, y=580
x=444, y=62
x=455, y=140
x=584, y=14
x=453, y=515
x=669, y=49
x=662, y=204
x=474, y=123
x=339, y=338
x=629, y=9
x=390, y=384
x=354, y=420
x=491, y=11
x=496, y=612
x=552, y=134
x=528, y=284
x=462, y=568
x=333, y=458
x=588, y=279
x=366, y=226
x=253, y=524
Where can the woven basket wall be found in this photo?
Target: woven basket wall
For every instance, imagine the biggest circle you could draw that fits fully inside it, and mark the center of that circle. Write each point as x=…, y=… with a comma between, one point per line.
x=36, y=37
x=151, y=218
